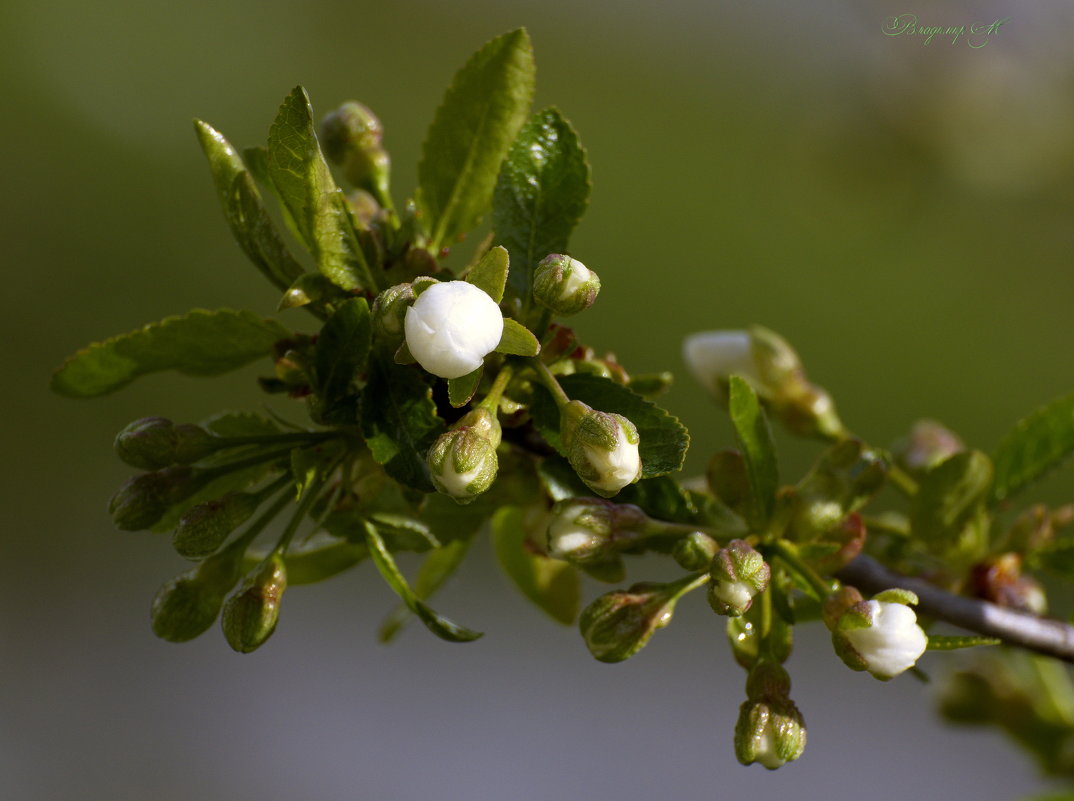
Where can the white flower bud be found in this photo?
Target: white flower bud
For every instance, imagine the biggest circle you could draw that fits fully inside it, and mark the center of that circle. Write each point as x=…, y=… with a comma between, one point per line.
x=451, y=327
x=601, y=447
x=881, y=637
x=564, y=285
x=738, y=573
x=712, y=356
x=462, y=463
x=586, y=530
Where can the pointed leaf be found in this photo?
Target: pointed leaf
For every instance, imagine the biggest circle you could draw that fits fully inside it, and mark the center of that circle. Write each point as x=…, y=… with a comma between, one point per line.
x=948, y=497
x=553, y=585
x=517, y=340
x=1036, y=444
x=460, y=390
x=245, y=213
x=199, y=343
x=318, y=207
x=438, y=567
x=541, y=193
x=481, y=114
x=490, y=274
x=754, y=438
x=341, y=354
x=440, y=626
x=399, y=421
x=664, y=440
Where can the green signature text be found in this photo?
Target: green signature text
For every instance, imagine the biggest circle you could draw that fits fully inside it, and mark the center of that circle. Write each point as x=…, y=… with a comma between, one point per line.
x=976, y=35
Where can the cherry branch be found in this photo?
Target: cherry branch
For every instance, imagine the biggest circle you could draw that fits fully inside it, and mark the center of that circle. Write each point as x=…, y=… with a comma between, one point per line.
x=1050, y=637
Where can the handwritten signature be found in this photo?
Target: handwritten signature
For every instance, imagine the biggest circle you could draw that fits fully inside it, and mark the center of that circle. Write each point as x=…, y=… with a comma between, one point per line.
x=977, y=34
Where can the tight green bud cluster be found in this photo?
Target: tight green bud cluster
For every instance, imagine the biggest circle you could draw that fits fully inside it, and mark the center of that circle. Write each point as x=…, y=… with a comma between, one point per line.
x=351, y=136
x=770, y=729
x=187, y=606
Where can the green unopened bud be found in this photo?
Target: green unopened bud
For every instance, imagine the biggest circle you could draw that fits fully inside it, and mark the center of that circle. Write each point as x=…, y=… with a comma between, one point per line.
x=738, y=573
x=770, y=729
x=564, y=285
x=463, y=463
x=143, y=499
x=187, y=605
x=589, y=530
x=389, y=312
x=250, y=615
x=695, y=551
x=601, y=447
x=204, y=528
x=351, y=137
x=148, y=444
x=618, y=624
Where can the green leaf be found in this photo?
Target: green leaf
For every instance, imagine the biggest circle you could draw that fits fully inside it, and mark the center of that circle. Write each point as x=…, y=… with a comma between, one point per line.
x=944, y=643
x=437, y=568
x=440, y=626
x=314, y=560
x=517, y=340
x=341, y=354
x=949, y=495
x=481, y=114
x=490, y=274
x=198, y=343
x=554, y=586
x=244, y=210
x=541, y=193
x=1033, y=447
x=241, y=424
x=319, y=209
x=399, y=420
x=662, y=498
x=460, y=390
x=664, y=440
x=754, y=438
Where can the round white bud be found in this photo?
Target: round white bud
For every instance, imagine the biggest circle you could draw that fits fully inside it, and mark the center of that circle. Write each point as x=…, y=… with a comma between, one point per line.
x=892, y=644
x=451, y=327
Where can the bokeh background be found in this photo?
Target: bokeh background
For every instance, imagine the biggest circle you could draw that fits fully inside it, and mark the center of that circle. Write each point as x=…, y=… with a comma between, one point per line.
x=899, y=210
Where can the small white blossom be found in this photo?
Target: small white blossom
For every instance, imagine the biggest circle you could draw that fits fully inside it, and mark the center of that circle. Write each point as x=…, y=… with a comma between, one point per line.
x=616, y=467
x=451, y=327
x=735, y=594
x=892, y=644
x=712, y=356
x=579, y=529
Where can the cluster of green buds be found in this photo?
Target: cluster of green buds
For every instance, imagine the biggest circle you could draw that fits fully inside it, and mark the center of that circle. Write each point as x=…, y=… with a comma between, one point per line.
x=351, y=137
x=770, y=729
x=462, y=462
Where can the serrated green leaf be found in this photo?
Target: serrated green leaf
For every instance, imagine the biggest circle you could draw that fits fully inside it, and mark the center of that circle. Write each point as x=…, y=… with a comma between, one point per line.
x=256, y=160
x=754, y=438
x=663, y=439
x=198, y=343
x=541, y=193
x=460, y=390
x=490, y=274
x=440, y=626
x=481, y=114
x=438, y=567
x=517, y=340
x=399, y=420
x=1034, y=446
x=244, y=210
x=949, y=495
x=318, y=207
x=341, y=354
x=951, y=643
x=553, y=585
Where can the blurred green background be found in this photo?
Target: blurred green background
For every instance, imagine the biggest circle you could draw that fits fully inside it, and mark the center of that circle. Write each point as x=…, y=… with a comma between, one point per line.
x=900, y=211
